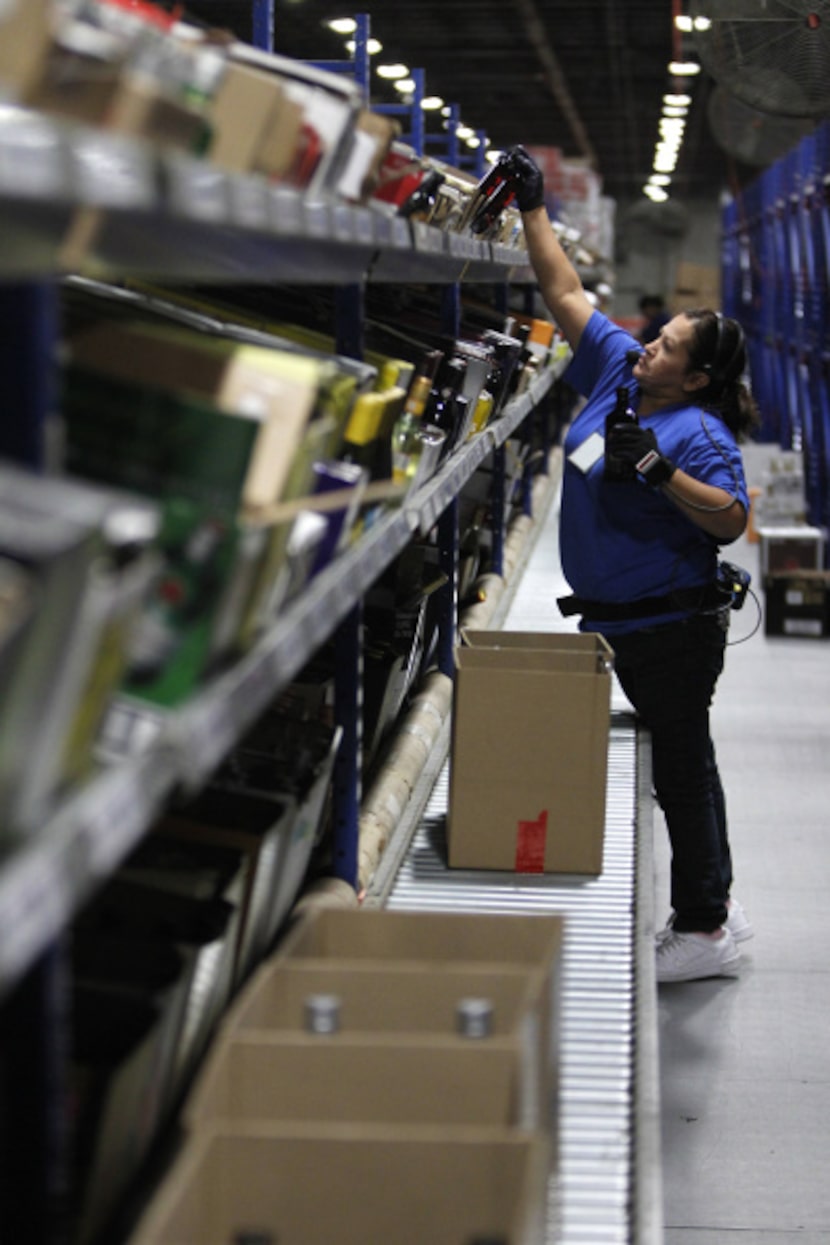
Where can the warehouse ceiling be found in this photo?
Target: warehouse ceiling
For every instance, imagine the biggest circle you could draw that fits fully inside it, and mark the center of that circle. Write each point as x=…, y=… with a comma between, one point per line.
x=587, y=76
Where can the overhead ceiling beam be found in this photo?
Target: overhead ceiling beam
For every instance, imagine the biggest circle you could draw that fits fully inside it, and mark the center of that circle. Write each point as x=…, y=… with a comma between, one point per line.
x=554, y=76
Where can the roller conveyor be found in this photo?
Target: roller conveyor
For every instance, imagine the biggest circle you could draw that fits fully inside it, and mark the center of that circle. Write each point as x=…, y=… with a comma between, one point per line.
x=608, y=1188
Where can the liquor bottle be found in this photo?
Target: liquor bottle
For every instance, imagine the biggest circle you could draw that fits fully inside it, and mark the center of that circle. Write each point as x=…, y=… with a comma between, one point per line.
x=614, y=468
x=474, y=1017
x=406, y=442
x=492, y=195
x=447, y=405
x=421, y=203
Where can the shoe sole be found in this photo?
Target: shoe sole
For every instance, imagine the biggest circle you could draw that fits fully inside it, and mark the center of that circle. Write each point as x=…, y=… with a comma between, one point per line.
x=731, y=968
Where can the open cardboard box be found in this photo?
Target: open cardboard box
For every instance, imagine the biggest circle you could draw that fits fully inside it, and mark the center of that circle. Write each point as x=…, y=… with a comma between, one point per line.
x=354, y=1184
x=438, y=951
x=358, y=1078
x=434, y=938
x=528, y=762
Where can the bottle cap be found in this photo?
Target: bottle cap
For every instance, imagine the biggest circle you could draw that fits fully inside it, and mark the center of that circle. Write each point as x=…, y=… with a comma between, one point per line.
x=474, y=1017
x=322, y=1013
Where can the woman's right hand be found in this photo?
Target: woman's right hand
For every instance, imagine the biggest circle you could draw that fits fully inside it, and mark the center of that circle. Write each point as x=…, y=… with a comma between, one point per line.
x=527, y=178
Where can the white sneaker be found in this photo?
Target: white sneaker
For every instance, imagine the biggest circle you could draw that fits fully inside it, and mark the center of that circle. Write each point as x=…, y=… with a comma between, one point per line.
x=690, y=957
x=737, y=922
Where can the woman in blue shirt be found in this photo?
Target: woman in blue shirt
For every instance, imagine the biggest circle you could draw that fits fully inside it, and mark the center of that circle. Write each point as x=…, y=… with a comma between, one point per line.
x=640, y=552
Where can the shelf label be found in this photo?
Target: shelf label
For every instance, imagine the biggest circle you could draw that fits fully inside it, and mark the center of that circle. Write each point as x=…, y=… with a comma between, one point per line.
x=110, y=171
x=249, y=202
x=286, y=210
x=197, y=190
x=317, y=219
x=33, y=160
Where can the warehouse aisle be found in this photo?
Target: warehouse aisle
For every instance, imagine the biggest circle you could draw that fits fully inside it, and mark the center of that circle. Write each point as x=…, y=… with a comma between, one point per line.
x=745, y=1076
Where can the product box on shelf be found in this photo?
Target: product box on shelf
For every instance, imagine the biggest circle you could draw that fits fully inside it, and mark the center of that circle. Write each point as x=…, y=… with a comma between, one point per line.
x=201, y=925
x=529, y=752
x=24, y=38
x=249, y=113
x=258, y=827
x=372, y=139
x=797, y=547
x=797, y=603
x=129, y=994
x=319, y=1183
x=120, y=68
x=329, y=104
x=86, y=557
x=275, y=390
x=284, y=755
x=218, y=434
x=114, y=1066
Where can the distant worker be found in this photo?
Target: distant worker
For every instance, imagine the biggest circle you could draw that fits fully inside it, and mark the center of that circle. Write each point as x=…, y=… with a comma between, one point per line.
x=655, y=314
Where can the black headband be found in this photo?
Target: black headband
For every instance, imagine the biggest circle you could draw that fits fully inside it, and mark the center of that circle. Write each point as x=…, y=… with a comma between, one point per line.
x=717, y=371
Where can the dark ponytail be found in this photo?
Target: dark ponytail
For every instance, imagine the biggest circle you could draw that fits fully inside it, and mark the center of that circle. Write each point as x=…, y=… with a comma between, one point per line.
x=717, y=347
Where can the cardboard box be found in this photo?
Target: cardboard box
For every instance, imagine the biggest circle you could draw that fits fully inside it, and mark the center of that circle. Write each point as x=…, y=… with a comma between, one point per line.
x=440, y=948
x=528, y=762
x=25, y=27
x=794, y=548
x=797, y=604
x=413, y=1005
x=695, y=285
x=354, y=1185
x=440, y=939
x=350, y=1078
x=383, y=997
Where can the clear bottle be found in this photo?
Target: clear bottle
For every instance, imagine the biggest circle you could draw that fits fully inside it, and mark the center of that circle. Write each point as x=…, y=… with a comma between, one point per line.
x=406, y=442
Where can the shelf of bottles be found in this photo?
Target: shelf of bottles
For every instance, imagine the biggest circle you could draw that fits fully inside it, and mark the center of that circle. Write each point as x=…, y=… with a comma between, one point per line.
x=50, y=874
x=171, y=213
x=776, y=281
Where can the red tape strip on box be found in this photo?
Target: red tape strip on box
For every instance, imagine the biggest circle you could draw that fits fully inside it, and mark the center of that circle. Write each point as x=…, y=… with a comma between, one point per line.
x=531, y=837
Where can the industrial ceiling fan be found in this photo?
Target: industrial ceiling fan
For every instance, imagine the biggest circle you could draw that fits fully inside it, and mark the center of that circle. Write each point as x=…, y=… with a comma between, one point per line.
x=772, y=54
x=751, y=136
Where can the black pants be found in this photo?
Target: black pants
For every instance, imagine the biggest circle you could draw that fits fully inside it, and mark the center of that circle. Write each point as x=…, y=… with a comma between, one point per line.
x=669, y=674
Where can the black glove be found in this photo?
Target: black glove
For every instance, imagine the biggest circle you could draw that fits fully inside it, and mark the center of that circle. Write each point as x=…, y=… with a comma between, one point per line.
x=631, y=443
x=527, y=179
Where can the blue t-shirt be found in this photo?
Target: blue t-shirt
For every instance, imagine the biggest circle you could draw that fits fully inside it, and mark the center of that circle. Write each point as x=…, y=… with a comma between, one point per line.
x=625, y=541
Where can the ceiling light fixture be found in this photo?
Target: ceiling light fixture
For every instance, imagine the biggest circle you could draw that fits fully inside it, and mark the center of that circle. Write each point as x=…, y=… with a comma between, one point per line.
x=391, y=72
x=678, y=101
x=431, y=103
x=683, y=69
x=342, y=25
x=373, y=46
x=405, y=85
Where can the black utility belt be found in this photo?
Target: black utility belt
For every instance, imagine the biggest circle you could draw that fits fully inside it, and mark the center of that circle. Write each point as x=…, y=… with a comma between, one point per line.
x=688, y=600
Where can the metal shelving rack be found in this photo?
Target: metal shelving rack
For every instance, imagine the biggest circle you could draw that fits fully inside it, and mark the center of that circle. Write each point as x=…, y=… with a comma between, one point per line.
x=161, y=213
